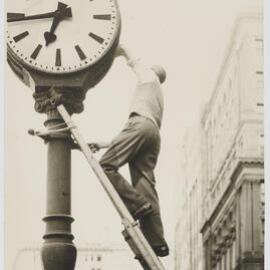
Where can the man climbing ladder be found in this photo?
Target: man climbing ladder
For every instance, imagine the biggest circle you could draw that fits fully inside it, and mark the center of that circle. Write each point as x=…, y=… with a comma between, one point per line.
x=138, y=144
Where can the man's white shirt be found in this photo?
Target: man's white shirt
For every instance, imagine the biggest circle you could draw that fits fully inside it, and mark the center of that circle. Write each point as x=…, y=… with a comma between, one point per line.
x=148, y=97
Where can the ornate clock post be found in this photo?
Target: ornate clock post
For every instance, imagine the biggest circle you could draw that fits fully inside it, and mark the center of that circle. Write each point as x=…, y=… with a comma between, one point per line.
x=58, y=250
x=62, y=50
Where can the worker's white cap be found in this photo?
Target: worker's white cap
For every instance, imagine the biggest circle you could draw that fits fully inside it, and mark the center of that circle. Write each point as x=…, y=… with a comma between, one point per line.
x=160, y=71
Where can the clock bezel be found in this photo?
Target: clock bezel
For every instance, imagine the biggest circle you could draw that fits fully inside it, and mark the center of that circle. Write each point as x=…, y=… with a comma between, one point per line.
x=79, y=69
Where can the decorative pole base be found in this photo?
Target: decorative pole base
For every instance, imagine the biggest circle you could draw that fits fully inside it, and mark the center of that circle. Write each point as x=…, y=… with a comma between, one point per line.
x=58, y=256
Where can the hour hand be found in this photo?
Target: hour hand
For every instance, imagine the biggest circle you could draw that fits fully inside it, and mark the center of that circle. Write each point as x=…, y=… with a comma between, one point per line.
x=62, y=13
x=49, y=37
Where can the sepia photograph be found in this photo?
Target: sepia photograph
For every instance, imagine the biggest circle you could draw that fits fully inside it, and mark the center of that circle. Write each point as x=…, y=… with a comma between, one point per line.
x=134, y=135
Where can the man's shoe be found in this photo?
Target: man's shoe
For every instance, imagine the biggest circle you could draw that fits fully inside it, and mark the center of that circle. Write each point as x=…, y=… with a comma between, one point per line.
x=161, y=251
x=145, y=210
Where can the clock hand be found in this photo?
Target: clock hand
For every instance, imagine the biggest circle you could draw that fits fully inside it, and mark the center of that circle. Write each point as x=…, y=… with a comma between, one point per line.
x=12, y=17
x=62, y=12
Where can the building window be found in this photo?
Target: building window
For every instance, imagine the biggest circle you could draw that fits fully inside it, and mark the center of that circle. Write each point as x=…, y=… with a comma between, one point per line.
x=224, y=99
x=259, y=39
x=262, y=214
x=259, y=107
x=230, y=84
x=98, y=258
x=259, y=44
x=259, y=72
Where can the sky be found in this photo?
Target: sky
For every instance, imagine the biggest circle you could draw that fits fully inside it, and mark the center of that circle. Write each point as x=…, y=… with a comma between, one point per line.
x=189, y=38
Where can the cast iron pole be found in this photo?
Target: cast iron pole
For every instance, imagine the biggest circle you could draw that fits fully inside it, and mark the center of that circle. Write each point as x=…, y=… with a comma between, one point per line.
x=58, y=251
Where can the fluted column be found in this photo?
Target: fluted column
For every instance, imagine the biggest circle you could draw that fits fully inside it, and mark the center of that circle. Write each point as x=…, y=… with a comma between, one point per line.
x=250, y=228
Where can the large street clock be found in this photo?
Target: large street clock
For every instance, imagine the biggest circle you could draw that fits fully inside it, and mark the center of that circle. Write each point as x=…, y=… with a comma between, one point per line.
x=70, y=41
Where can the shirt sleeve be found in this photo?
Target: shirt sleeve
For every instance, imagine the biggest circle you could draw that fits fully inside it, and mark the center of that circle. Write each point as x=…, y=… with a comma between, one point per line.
x=143, y=72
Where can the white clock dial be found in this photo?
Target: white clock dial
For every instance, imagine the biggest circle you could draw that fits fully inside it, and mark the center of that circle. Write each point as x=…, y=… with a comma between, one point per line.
x=85, y=32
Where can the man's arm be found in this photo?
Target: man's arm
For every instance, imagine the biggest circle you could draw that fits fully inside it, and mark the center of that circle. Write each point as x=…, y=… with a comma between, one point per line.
x=143, y=72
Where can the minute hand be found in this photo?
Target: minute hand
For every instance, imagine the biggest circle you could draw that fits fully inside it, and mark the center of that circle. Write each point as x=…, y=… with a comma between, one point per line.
x=33, y=17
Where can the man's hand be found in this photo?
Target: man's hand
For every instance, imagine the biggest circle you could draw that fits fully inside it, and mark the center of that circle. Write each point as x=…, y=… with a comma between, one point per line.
x=120, y=51
x=124, y=51
x=94, y=147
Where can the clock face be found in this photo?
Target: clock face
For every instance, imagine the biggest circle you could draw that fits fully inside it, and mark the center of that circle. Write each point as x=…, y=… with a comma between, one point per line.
x=61, y=37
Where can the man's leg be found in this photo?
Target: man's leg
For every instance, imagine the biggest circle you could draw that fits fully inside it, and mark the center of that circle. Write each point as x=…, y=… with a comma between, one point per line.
x=143, y=179
x=122, y=149
x=151, y=225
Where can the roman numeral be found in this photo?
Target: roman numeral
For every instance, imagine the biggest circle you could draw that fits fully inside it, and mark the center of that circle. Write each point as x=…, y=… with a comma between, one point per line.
x=96, y=38
x=21, y=36
x=106, y=17
x=36, y=52
x=80, y=52
x=58, y=58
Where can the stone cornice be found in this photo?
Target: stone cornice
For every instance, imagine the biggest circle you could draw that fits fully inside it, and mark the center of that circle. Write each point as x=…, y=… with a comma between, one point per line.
x=242, y=171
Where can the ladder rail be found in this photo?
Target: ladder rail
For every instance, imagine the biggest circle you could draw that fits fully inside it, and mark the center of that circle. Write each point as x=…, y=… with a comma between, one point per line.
x=130, y=225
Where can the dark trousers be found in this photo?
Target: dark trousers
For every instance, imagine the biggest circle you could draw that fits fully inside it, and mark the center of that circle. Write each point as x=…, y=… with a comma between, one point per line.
x=138, y=144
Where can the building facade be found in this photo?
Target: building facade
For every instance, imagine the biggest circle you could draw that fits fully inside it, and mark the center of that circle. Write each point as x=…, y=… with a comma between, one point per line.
x=227, y=197
x=234, y=160
x=188, y=244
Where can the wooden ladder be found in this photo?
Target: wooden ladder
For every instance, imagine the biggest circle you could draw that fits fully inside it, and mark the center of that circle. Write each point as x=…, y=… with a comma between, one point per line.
x=132, y=233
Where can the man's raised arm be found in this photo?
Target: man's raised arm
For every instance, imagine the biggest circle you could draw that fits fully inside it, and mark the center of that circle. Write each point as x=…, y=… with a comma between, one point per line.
x=143, y=72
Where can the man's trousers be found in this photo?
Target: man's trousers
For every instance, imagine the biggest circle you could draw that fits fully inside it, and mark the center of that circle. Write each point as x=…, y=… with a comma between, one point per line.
x=138, y=144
